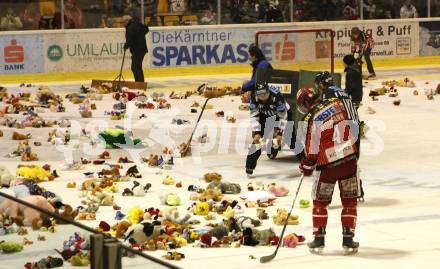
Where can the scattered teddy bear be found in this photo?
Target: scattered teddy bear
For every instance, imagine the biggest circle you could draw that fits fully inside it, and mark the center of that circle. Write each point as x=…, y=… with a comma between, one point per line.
x=67, y=212
x=225, y=187
x=174, y=217
x=281, y=217
x=210, y=177
x=18, y=136
x=86, y=216
x=5, y=177
x=211, y=194
x=170, y=199
x=120, y=228
x=277, y=190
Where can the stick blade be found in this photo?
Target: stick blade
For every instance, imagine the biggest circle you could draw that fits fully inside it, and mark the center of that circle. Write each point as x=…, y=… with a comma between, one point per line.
x=268, y=258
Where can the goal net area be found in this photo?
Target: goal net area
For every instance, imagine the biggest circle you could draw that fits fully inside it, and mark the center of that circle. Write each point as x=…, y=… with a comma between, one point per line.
x=311, y=49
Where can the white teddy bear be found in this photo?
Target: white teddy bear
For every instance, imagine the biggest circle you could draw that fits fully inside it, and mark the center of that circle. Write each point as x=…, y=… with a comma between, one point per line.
x=5, y=177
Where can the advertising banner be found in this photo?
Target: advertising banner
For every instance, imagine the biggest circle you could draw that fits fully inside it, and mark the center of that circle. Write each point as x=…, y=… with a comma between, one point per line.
x=392, y=39
x=209, y=46
x=85, y=51
x=21, y=54
x=430, y=38
x=228, y=45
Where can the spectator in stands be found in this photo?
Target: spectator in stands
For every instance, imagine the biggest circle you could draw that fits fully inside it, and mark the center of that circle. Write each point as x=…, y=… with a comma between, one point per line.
x=135, y=32
x=350, y=11
x=274, y=13
x=332, y=10
x=251, y=12
x=92, y=11
x=208, y=18
x=285, y=9
x=435, y=8
x=244, y=12
x=303, y=10
x=150, y=10
x=11, y=21
x=31, y=18
x=408, y=10
x=388, y=14
x=131, y=9
x=201, y=5
x=370, y=9
x=235, y=11
x=73, y=14
x=177, y=6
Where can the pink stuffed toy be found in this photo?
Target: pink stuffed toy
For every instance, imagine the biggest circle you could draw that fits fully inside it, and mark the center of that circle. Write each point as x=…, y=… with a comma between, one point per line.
x=278, y=191
x=14, y=209
x=291, y=240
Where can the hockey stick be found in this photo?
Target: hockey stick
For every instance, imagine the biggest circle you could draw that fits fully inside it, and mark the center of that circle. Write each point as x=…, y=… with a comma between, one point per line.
x=198, y=120
x=200, y=90
x=119, y=77
x=188, y=144
x=270, y=257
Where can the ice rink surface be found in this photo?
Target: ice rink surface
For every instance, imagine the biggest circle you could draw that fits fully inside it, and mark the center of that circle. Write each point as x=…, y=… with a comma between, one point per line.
x=400, y=167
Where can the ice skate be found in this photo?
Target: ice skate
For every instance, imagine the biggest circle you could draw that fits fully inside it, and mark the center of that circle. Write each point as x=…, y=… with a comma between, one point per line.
x=350, y=246
x=317, y=245
x=250, y=173
x=371, y=76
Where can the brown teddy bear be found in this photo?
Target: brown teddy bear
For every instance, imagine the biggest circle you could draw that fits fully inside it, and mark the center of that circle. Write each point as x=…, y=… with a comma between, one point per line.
x=110, y=172
x=106, y=182
x=120, y=228
x=18, y=136
x=210, y=177
x=67, y=212
x=211, y=194
x=89, y=184
x=152, y=160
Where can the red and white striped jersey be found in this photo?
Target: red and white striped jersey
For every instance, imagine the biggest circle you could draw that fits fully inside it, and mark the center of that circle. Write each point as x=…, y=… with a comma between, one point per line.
x=331, y=134
x=362, y=43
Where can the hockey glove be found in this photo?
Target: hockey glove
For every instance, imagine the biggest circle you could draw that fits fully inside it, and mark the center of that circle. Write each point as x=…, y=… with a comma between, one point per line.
x=257, y=138
x=307, y=170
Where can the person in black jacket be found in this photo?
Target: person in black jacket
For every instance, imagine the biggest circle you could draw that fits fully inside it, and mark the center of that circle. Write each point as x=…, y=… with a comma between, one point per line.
x=353, y=80
x=135, y=32
x=353, y=86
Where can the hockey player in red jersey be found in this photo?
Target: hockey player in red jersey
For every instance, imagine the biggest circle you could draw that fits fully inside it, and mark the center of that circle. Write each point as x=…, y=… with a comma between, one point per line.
x=330, y=148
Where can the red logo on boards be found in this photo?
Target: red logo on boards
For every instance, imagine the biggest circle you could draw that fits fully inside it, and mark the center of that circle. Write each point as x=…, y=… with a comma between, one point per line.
x=14, y=53
x=322, y=49
x=285, y=50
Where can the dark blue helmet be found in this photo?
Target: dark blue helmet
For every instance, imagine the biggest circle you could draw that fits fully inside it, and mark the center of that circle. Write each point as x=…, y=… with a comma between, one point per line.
x=324, y=78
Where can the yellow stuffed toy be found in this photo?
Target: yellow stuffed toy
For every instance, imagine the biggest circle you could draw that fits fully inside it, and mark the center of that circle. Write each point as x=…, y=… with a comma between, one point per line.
x=202, y=209
x=281, y=217
x=33, y=172
x=135, y=215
